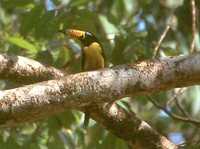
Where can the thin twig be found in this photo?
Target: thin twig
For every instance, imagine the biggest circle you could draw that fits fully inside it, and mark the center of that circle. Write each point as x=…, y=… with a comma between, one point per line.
x=176, y=94
x=193, y=12
x=162, y=36
x=177, y=102
x=179, y=105
x=177, y=117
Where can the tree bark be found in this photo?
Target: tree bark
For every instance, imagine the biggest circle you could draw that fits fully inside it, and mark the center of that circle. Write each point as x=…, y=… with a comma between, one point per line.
x=41, y=100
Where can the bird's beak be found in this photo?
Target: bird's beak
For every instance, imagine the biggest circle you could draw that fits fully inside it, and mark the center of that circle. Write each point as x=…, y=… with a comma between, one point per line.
x=73, y=32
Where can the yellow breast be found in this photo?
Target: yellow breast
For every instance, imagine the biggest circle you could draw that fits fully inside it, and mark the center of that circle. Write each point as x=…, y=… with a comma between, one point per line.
x=93, y=57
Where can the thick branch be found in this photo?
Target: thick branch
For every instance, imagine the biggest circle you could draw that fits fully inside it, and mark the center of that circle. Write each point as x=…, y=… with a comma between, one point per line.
x=23, y=70
x=129, y=127
x=104, y=85
x=41, y=100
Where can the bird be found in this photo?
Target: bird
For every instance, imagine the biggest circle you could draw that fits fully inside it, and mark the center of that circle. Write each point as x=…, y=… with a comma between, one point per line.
x=92, y=56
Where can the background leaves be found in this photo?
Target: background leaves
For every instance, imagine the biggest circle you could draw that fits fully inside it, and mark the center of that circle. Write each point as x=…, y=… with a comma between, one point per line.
x=128, y=31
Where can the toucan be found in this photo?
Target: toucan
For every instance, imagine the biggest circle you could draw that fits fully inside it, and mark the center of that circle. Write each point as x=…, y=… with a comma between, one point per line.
x=92, y=56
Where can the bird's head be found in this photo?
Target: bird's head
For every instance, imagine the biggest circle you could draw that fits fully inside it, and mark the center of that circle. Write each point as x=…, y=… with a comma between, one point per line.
x=85, y=37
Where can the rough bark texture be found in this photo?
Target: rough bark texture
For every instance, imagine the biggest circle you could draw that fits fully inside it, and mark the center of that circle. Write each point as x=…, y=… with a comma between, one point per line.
x=105, y=85
x=41, y=100
x=129, y=127
x=23, y=70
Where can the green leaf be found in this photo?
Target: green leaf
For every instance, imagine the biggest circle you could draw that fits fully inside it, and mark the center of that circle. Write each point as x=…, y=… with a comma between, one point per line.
x=30, y=20
x=141, y=34
x=16, y=3
x=94, y=135
x=20, y=42
x=44, y=27
x=45, y=57
x=63, y=57
x=2, y=16
x=78, y=3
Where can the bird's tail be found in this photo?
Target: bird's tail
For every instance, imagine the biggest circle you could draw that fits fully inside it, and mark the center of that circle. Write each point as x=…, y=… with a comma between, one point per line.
x=87, y=117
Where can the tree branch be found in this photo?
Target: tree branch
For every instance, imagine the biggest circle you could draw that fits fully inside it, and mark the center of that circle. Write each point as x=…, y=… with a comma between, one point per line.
x=44, y=99
x=177, y=117
x=26, y=71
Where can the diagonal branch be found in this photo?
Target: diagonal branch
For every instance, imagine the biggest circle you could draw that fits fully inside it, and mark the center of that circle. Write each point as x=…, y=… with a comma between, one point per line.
x=162, y=36
x=77, y=90
x=44, y=99
x=177, y=117
x=124, y=125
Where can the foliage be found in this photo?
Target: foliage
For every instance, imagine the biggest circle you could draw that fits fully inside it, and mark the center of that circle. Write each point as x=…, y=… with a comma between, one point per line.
x=128, y=31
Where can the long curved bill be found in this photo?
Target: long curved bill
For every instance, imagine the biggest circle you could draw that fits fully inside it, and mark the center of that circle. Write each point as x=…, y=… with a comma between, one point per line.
x=73, y=32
